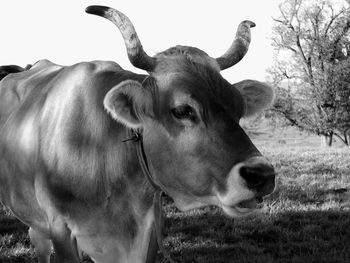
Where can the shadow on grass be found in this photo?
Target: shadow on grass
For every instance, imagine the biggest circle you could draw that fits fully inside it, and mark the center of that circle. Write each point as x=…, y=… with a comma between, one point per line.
x=208, y=237
x=14, y=241
x=313, y=236
x=10, y=225
x=314, y=195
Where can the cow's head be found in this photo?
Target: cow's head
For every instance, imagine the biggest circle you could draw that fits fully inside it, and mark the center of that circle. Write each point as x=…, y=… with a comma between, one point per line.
x=190, y=116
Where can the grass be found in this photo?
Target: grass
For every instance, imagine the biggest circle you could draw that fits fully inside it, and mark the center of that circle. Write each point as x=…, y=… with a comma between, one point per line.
x=14, y=241
x=307, y=218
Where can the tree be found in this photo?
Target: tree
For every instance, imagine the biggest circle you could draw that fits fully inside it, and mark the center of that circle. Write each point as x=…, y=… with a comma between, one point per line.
x=312, y=73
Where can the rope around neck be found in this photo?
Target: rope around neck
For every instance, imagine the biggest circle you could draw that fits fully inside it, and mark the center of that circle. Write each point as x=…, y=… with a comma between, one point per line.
x=136, y=136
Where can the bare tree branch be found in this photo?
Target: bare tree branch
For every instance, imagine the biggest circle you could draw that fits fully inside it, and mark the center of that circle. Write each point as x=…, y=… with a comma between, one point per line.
x=315, y=33
x=332, y=19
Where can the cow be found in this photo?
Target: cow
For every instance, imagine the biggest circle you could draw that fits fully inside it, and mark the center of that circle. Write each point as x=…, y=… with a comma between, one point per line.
x=7, y=69
x=84, y=149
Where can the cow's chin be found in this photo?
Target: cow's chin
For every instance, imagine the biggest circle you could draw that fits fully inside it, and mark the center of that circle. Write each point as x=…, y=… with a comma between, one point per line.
x=242, y=209
x=186, y=203
x=234, y=211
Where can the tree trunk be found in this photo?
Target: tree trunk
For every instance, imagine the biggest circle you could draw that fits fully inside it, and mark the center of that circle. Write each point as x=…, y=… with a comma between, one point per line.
x=327, y=140
x=346, y=139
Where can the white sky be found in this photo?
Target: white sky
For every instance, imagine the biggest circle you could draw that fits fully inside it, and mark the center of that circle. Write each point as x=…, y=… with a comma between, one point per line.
x=61, y=31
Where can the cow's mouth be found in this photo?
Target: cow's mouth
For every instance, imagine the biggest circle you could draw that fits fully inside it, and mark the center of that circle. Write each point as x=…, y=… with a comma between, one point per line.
x=250, y=203
x=244, y=207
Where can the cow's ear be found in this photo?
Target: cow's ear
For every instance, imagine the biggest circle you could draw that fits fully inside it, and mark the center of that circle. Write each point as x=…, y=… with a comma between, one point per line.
x=129, y=103
x=257, y=95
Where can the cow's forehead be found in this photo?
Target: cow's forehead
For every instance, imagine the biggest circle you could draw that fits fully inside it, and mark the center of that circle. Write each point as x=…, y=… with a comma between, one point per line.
x=201, y=81
x=190, y=54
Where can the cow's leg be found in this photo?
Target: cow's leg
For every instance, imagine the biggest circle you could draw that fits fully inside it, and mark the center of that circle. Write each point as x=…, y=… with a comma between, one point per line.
x=64, y=245
x=152, y=247
x=42, y=245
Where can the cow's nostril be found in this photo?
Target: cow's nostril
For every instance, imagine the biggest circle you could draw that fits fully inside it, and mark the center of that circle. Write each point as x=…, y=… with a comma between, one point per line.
x=259, y=177
x=252, y=176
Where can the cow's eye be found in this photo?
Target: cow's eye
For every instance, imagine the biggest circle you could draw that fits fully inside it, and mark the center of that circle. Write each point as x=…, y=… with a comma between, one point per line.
x=184, y=112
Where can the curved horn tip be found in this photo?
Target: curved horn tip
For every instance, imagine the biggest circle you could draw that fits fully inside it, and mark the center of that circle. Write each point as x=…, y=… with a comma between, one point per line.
x=136, y=54
x=248, y=23
x=98, y=10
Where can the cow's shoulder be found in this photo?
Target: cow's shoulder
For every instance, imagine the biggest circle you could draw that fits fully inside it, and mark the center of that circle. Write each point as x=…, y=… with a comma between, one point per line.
x=80, y=144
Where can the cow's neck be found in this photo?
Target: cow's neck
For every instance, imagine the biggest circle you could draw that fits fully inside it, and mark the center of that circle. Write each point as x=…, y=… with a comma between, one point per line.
x=139, y=248
x=137, y=137
x=132, y=217
x=127, y=212
x=144, y=244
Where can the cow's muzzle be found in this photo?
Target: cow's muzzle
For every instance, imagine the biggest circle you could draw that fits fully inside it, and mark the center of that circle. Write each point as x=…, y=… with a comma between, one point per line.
x=247, y=183
x=259, y=175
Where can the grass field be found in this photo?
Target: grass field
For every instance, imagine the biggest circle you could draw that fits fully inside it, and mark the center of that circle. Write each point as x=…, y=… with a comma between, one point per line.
x=307, y=218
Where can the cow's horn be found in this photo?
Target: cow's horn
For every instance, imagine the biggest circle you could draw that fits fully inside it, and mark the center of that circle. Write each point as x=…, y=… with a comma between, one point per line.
x=239, y=46
x=136, y=54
